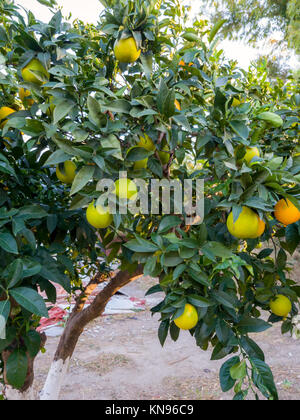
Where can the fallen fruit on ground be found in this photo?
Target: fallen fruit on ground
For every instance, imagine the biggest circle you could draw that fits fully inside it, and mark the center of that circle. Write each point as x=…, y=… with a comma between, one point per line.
x=66, y=172
x=246, y=226
x=286, y=212
x=98, y=217
x=126, y=50
x=281, y=306
x=5, y=111
x=188, y=319
x=35, y=72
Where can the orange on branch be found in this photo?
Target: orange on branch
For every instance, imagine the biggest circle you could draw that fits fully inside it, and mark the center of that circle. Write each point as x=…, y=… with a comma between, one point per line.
x=286, y=212
x=188, y=319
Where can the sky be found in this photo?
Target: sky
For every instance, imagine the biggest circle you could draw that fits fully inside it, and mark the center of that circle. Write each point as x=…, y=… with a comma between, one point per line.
x=89, y=10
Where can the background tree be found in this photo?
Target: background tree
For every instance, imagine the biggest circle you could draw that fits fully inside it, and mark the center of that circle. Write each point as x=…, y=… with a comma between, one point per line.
x=257, y=19
x=104, y=98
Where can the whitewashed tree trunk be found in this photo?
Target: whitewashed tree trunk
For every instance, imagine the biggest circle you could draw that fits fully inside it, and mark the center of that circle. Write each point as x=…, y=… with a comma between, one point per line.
x=55, y=379
x=12, y=394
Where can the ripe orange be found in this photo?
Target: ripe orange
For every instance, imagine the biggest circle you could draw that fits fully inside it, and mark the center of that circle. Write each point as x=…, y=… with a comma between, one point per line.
x=5, y=111
x=177, y=105
x=281, y=306
x=126, y=50
x=286, y=212
x=67, y=174
x=38, y=78
x=188, y=319
x=125, y=188
x=251, y=152
x=164, y=155
x=182, y=63
x=236, y=102
x=261, y=227
x=23, y=95
x=147, y=143
x=98, y=217
x=246, y=226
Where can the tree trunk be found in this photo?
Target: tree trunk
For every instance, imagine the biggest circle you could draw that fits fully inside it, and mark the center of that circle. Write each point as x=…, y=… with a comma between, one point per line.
x=76, y=323
x=26, y=392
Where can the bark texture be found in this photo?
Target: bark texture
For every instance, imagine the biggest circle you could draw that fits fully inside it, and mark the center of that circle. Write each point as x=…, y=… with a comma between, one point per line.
x=77, y=321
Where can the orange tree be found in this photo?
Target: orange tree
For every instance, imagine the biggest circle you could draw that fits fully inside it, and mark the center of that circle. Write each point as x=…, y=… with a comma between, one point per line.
x=144, y=92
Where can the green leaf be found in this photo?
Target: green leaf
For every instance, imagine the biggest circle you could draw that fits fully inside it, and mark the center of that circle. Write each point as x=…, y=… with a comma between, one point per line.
x=13, y=273
x=10, y=336
x=217, y=249
x=141, y=245
x=59, y=156
x=168, y=222
x=225, y=299
x=239, y=370
x=5, y=309
x=252, y=325
x=171, y=259
x=174, y=331
x=16, y=368
x=150, y=266
x=137, y=153
x=32, y=212
x=199, y=301
x=240, y=128
x=61, y=110
x=95, y=111
x=2, y=327
x=31, y=267
x=226, y=380
x=252, y=349
x=120, y=106
x=163, y=331
x=263, y=378
x=30, y=300
x=32, y=341
x=220, y=351
x=216, y=29
x=82, y=178
x=154, y=289
x=8, y=243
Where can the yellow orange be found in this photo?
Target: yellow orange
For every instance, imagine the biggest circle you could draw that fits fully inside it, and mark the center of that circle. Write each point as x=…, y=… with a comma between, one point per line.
x=147, y=143
x=98, y=217
x=35, y=66
x=251, y=152
x=126, y=50
x=281, y=306
x=5, y=111
x=188, y=319
x=246, y=226
x=66, y=175
x=125, y=188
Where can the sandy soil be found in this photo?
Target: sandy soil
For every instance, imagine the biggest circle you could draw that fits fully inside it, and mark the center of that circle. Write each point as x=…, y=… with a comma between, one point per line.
x=120, y=357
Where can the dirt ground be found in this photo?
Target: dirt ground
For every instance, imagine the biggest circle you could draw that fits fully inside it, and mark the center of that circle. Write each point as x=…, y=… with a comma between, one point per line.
x=120, y=357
